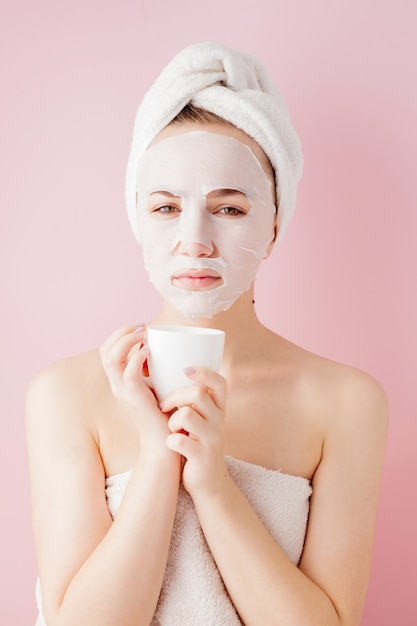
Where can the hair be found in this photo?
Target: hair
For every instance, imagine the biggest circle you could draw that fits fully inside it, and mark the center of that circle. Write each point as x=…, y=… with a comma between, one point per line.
x=192, y=113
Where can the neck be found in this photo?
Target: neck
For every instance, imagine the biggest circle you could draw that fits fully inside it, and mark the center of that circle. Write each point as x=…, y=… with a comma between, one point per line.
x=240, y=323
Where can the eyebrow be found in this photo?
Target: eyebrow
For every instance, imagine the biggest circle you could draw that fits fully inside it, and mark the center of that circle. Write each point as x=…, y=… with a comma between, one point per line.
x=221, y=193
x=165, y=193
x=215, y=193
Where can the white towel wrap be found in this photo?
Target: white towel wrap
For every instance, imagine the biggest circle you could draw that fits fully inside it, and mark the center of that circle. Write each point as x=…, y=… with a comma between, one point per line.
x=193, y=592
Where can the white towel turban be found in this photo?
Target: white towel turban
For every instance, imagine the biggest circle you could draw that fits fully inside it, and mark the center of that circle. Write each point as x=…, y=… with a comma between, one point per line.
x=235, y=86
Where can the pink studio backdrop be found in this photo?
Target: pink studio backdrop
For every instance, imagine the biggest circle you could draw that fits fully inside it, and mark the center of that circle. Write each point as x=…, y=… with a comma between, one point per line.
x=343, y=282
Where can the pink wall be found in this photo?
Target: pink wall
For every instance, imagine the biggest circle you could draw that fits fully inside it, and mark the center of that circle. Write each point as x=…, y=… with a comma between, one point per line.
x=343, y=282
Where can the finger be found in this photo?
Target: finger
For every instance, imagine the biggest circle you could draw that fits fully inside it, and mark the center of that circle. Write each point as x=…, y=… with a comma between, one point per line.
x=186, y=446
x=119, y=333
x=193, y=396
x=117, y=356
x=209, y=385
x=133, y=371
x=215, y=384
x=185, y=420
x=134, y=383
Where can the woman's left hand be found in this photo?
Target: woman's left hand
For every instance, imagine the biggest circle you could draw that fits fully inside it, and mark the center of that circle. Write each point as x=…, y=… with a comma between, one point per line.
x=197, y=429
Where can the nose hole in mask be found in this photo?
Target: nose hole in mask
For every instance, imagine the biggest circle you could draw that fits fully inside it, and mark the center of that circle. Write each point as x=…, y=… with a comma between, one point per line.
x=196, y=248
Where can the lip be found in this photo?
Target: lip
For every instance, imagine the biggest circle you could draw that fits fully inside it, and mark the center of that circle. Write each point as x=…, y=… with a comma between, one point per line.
x=196, y=279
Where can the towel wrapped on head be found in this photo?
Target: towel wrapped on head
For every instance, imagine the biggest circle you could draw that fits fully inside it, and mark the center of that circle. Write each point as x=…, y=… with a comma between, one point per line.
x=235, y=86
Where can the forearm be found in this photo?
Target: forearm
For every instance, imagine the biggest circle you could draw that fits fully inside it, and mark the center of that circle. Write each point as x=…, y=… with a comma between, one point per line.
x=263, y=583
x=120, y=581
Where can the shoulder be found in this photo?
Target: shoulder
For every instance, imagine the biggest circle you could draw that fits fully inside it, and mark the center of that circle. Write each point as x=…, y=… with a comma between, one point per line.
x=64, y=401
x=70, y=386
x=334, y=394
x=341, y=381
x=346, y=385
x=72, y=372
x=350, y=404
x=349, y=394
x=359, y=421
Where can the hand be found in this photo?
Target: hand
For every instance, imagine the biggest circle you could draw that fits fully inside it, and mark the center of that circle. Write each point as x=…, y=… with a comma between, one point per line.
x=197, y=429
x=123, y=357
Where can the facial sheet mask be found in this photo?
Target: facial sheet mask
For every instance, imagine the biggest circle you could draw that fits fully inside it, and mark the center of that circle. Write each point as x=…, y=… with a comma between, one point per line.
x=198, y=232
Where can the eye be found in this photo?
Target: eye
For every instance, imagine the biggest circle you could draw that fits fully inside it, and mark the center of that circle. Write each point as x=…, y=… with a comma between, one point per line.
x=230, y=211
x=166, y=210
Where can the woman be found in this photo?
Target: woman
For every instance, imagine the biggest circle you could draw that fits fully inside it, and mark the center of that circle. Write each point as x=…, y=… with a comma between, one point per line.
x=250, y=497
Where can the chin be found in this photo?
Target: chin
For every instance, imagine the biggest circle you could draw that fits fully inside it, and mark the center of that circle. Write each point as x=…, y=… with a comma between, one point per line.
x=199, y=305
x=207, y=312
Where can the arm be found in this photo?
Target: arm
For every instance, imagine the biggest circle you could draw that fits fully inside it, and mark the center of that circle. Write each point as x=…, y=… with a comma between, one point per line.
x=93, y=570
x=328, y=587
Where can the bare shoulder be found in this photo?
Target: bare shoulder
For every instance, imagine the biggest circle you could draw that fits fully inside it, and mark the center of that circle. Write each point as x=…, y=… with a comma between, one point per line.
x=63, y=402
x=353, y=412
x=70, y=382
x=81, y=369
x=338, y=391
x=62, y=407
x=339, y=406
x=358, y=424
x=353, y=400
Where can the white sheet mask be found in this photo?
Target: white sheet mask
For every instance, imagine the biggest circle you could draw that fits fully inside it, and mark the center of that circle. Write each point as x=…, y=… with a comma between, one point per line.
x=197, y=232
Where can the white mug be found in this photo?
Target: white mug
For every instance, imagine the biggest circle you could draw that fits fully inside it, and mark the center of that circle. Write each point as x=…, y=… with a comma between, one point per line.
x=172, y=348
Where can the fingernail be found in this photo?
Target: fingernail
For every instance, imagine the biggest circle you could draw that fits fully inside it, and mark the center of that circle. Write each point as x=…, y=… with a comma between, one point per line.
x=139, y=329
x=189, y=370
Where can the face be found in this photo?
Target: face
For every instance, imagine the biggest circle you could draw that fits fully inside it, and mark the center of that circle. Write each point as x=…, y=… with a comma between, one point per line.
x=206, y=216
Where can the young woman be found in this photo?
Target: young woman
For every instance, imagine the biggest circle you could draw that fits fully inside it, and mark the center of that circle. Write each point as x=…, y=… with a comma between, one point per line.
x=249, y=497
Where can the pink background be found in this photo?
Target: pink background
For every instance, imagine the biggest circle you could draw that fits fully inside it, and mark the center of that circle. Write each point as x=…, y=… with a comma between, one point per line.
x=343, y=282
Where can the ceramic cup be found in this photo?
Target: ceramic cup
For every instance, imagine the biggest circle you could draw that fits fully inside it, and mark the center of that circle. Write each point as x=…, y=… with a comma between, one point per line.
x=172, y=348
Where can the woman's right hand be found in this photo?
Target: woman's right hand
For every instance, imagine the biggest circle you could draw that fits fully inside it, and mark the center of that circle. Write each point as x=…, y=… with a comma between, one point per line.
x=123, y=356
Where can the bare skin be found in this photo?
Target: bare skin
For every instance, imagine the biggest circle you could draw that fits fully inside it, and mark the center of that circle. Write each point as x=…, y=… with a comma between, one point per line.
x=93, y=416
